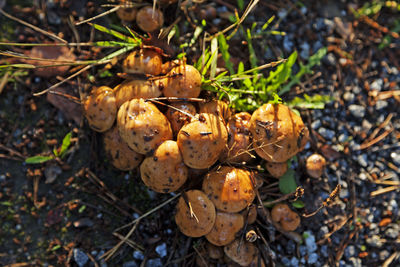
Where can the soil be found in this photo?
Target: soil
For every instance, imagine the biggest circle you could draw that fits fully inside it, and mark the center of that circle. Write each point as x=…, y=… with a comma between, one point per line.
x=75, y=210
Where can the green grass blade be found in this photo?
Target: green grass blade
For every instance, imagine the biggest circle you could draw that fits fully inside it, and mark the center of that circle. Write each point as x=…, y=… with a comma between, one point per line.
x=38, y=159
x=224, y=48
x=214, y=52
x=115, y=34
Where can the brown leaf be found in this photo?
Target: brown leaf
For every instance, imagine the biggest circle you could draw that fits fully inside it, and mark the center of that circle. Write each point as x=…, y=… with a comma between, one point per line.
x=330, y=153
x=70, y=109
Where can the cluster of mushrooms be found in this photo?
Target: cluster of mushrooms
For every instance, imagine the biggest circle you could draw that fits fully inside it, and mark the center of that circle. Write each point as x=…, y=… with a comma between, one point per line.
x=171, y=142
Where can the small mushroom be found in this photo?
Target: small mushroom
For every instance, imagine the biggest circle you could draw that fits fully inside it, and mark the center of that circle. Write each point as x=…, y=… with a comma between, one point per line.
x=214, y=252
x=100, y=108
x=250, y=214
x=278, y=133
x=143, y=61
x=142, y=126
x=225, y=228
x=241, y=252
x=238, y=149
x=177, y=118
x=202, y=141
x=131, y=89
x=195, y=214
x=149, y=19
x=216, y=107
x=121, y=156
x=182, y=81
x=276, y=169
x=285, y=217
x=315, y=165
x=230, y=189
x=126, y=12
x=164, y=171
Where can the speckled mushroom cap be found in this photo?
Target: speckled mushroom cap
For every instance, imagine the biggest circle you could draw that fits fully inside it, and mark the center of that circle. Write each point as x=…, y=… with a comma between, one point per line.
x=149, y=19
x=143, y=61
x=216, y=107
x=230, y=189
x=131, y=89
x=142, y=126
x=239, y=146
x=315, y=165
x=225, y=228
x=202, y=141
x=178, y=118
x=241, y=252
x=100, y=109
x=182, y=81
x=121, y=156
x=214, y=252
x=288, y=219
x=250, y=214
x=278, y=133
x=164, y=171
x=276, y=169
x=203, y=218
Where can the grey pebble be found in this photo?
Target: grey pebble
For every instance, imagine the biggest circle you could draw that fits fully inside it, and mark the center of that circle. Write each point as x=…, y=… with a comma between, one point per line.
x=294, y=261
x=316, y=124
x=392, y=232
x=303, y=250
x=154, y=263
x=381, y=104
x=162, y=250
x=362, y=160
x=377, y=85
x=138, y=255
x=357, y=110
x=383, y=255
x=326, y=133
x=130, y=264
x=324, y=251
x=305, y=50
x=287, y=43
x=310, y=242
x=374, y=241
x=80, y=257
x=395, y=157
x=285, y=261
x=355, y=262
x=348, y=96
x=350, y=251
x=330, y=59
x=312, y=258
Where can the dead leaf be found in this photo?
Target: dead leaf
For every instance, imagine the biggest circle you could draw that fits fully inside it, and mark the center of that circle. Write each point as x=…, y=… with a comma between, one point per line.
x=70, y=109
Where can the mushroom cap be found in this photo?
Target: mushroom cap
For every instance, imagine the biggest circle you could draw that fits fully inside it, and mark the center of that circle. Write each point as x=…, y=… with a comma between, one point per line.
x=100, y=108
x=225, y=228
x=177, y=118
x=182, y=81
x=276, y=169
x=250, y=215
x=278, y=133
x=315, y=165
x=127, y=13
x=202, y=141
x=142, y=126
x=131, y=89
x=121, y=156
x=216, y=107
x=203, y=209
x=288, y=219
x=164, y=171
x=149, y=19
x=230, y=189
x=214, y=252
x=241, y=252
x=143, y=61
x=239, y=139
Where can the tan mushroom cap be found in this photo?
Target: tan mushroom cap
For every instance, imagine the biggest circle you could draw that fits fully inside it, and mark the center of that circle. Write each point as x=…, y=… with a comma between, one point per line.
x=216, y=107
x=127, y=13
x=121, y=156
x=142, y=126
x=100, y=108
x=214, y=252
x=164, y=171
x=230, y=189
x=202, y=141
x=149, y=19
x=276, y=169
x=203, y=218
x=143, y=61
x=178, y=118
x=278, y=133
x=288, y=219
x=182, y=81
x=239, y=147
x=315, y=165
x=225, y=228
x=250, y=214
x=131, y=89
x=241, y=252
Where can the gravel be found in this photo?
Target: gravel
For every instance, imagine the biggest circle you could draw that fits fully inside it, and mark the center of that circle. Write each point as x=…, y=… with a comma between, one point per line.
x=80, y=257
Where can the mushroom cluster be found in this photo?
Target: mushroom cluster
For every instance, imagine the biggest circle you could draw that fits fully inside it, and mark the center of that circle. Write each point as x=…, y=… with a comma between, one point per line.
x=169, y=142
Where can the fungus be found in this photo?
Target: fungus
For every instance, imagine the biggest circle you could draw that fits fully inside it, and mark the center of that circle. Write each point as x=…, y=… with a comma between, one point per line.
x=315, y=165
x=225, y=228
x=131, y=89
x=143, y=61
x=216, y=107
x=230, y=189
x=178, y=118
x=241, y=252
x=149, y=19
x=182, y=81
x=195, y=215
x=276, y=169
x=285, y=217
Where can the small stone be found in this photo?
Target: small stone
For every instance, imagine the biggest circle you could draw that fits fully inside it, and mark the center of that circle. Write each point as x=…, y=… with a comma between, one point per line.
x=282, y=13
x=348, y=96
x=374, y=241
x=162, y=250
x=310, y=242
x=51, y=172
x=357, y=110
x=303, y=250
x=290, y=247
x=363, y=160
x=355, y=262
x=312, y=258
x=287, y=43
x=285, y=261
x=154, y=263
x=316, y=46
x=383, y=255
x=350, y=251
x=130, y=264
x=138, y=255
x=305, y=50
x=294, y=261
x=330, y=59
x=80, y=257
x=392, y=233
x=381, y=104
x=395, y=157
x=377, y=85
x=326, y=133
x=324, y=251
x=316, y=124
